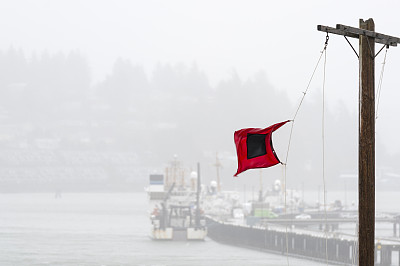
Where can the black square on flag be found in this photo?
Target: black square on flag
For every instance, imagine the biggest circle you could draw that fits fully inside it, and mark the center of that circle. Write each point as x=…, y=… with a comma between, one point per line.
x=256, y=145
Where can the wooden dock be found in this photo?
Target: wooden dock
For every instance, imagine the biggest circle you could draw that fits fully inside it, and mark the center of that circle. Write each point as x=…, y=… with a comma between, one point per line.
x=311, y=245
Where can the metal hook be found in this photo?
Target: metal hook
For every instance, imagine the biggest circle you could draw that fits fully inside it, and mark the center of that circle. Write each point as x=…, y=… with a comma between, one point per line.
x=326, y=39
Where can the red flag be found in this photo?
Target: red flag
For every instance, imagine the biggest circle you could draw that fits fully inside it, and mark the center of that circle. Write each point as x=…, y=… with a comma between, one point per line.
x=254, y=147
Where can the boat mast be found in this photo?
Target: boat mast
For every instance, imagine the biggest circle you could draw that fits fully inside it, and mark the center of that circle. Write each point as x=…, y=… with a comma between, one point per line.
x=197, y=221
x=366, y=155
x=260, y=193
x=218, y=165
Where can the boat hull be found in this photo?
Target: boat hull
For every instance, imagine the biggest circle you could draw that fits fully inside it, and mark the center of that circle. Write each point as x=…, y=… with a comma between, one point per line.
x=189, y=234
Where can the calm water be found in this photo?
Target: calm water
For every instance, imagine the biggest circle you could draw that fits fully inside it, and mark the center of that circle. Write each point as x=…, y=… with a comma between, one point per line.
x=103, y=229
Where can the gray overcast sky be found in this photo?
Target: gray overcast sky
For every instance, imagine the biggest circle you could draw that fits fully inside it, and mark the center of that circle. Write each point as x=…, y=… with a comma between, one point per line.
x=279, y=37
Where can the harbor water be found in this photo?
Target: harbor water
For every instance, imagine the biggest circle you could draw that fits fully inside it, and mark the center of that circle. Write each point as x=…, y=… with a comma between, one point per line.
x=106, y=229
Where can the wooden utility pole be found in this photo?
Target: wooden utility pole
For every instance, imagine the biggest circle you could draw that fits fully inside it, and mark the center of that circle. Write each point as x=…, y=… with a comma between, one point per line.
x=366, y=147
x=366, y=156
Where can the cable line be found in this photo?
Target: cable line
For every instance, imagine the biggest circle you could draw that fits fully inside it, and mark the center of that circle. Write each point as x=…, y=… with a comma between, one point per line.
x=378, y=93
x=323, y=52
x=323, y=159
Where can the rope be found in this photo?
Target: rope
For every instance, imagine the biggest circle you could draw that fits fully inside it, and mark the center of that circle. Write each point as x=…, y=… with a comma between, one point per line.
x=323, y=159
x=291, y=133
x=378, y=97
x=286, y=231
x=302, y=99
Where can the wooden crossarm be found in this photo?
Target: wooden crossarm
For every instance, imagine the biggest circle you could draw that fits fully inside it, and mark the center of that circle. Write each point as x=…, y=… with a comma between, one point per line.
x=336, y=31
x=379, y=37
x=356, y=32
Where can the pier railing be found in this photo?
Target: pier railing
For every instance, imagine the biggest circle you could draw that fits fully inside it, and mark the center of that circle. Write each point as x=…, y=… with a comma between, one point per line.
x=342, y=250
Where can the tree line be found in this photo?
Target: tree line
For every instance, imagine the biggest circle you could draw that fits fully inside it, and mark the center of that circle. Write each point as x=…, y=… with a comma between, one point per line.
x=172, y=110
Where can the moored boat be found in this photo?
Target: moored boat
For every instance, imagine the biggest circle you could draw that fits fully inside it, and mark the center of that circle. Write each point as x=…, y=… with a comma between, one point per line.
x=176, y=213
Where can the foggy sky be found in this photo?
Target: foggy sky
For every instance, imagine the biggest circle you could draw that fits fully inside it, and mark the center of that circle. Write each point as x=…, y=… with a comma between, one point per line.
x=223, y=39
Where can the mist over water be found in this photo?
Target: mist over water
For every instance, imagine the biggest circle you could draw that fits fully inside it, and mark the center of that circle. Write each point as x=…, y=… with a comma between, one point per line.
x=103, y=229
x=113, y=229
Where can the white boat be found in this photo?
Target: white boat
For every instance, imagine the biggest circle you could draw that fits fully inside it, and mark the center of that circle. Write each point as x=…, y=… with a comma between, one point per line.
x=176, y=213
x=178, y=222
